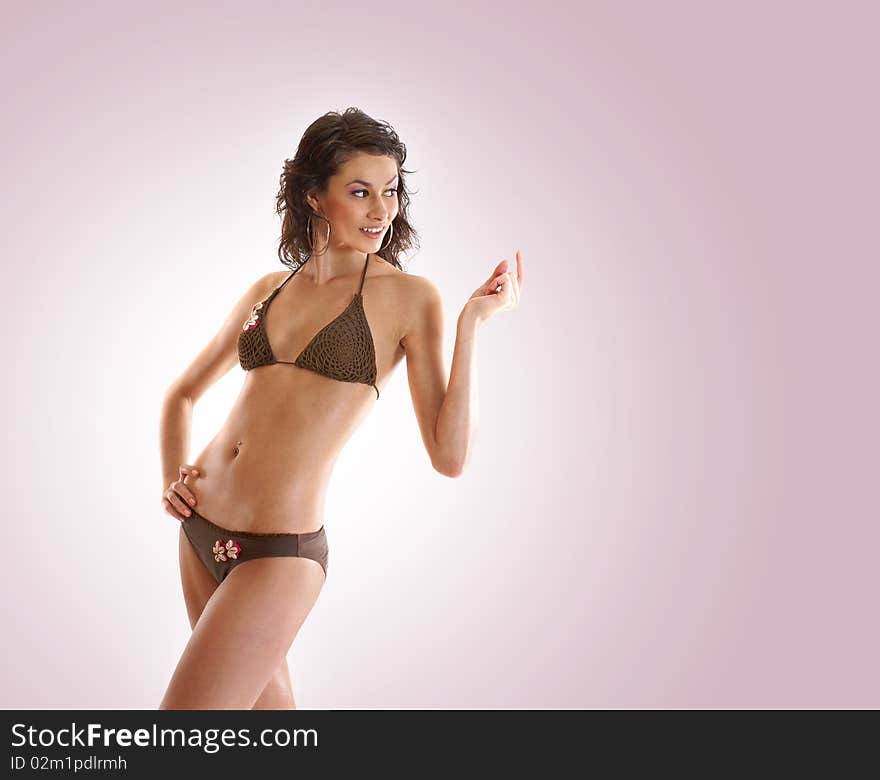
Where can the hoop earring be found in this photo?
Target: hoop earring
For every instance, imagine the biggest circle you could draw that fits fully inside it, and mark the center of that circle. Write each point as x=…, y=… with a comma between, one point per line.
x=391, y=225
x=312, y=240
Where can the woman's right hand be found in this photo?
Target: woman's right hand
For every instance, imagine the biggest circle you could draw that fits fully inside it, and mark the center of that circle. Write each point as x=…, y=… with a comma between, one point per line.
x=177, y=495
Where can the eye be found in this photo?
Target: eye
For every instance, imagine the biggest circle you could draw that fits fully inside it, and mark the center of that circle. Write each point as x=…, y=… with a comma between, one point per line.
x=391, y=189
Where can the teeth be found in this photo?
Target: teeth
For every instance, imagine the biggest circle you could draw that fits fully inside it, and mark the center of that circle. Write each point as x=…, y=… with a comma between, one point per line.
x=372, y=230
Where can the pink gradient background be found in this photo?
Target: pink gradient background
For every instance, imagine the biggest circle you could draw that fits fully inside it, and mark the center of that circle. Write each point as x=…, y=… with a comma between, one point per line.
x=669, y=505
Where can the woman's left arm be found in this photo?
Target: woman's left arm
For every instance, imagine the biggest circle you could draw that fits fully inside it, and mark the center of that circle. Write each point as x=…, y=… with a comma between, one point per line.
x=447, y=414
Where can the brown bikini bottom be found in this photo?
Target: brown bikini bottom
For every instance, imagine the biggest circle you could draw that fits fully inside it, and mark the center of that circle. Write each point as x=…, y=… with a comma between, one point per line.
x=222, y=549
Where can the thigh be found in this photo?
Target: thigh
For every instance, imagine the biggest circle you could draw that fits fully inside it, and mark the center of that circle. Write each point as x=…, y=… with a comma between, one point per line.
x=244, y=633
x=197, y=582
x=198, y=586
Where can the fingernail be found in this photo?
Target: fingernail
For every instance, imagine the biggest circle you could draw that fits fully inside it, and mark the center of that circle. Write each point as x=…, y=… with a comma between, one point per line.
x=192, y=501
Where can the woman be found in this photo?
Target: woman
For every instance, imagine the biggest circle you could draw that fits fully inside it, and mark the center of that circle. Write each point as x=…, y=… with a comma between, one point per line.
x=253, y=550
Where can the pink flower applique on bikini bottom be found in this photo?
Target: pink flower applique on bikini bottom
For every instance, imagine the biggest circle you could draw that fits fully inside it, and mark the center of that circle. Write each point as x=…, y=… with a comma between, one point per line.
x=229, y=550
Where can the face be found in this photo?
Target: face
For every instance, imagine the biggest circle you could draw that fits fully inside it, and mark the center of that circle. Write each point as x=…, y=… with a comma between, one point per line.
x=363, y=193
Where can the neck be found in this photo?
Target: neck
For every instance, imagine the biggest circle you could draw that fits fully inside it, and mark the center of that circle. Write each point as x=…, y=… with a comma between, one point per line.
x=335, y=263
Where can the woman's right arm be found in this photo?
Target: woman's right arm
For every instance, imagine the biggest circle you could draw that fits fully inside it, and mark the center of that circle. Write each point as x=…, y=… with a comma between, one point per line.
x=175, y=423
x=212, y=363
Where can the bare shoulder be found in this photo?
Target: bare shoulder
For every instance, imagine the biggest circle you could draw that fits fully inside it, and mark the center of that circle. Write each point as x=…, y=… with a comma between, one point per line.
x=276, y=277
x=264, y=284
x=419, y=299
x=418, y=289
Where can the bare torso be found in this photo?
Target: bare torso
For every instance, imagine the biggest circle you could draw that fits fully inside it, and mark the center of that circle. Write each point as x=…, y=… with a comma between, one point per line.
x=268, y=467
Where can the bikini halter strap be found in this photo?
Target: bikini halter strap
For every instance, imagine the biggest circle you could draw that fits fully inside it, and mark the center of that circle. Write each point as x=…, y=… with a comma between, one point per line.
x=364, y=274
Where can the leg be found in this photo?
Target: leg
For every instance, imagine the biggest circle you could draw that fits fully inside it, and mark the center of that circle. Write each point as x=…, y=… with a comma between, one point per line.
x=278, y=693
x=198, y=587
x=243, y=634
x=198, y=583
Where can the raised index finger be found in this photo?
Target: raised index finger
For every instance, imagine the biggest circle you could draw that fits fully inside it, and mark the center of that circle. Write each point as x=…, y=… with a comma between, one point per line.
x=519, y=267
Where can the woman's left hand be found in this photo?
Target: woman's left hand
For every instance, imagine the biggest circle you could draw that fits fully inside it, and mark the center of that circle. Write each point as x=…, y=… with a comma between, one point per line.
x=501, y=291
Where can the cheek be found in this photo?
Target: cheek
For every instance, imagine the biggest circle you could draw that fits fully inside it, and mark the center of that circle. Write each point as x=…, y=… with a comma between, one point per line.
x=344, y=213
x=353, y=212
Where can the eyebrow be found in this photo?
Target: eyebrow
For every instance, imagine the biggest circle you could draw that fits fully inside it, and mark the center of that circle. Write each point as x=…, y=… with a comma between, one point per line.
x=361, y=181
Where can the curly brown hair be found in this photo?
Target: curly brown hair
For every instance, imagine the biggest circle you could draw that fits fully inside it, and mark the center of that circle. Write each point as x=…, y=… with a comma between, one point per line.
x=328, y=143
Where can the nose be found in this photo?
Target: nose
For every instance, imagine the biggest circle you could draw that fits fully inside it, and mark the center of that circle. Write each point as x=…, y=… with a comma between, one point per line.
x=378, y=214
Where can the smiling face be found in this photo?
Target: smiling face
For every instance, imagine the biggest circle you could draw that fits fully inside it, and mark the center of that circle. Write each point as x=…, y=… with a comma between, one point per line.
x=363, y=193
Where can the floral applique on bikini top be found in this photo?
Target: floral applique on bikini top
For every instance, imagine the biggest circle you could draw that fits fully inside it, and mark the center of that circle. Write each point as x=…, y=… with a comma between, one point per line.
x=343, y=349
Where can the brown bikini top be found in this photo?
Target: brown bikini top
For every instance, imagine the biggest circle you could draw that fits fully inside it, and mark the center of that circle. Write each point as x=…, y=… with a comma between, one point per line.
x=343, y=349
